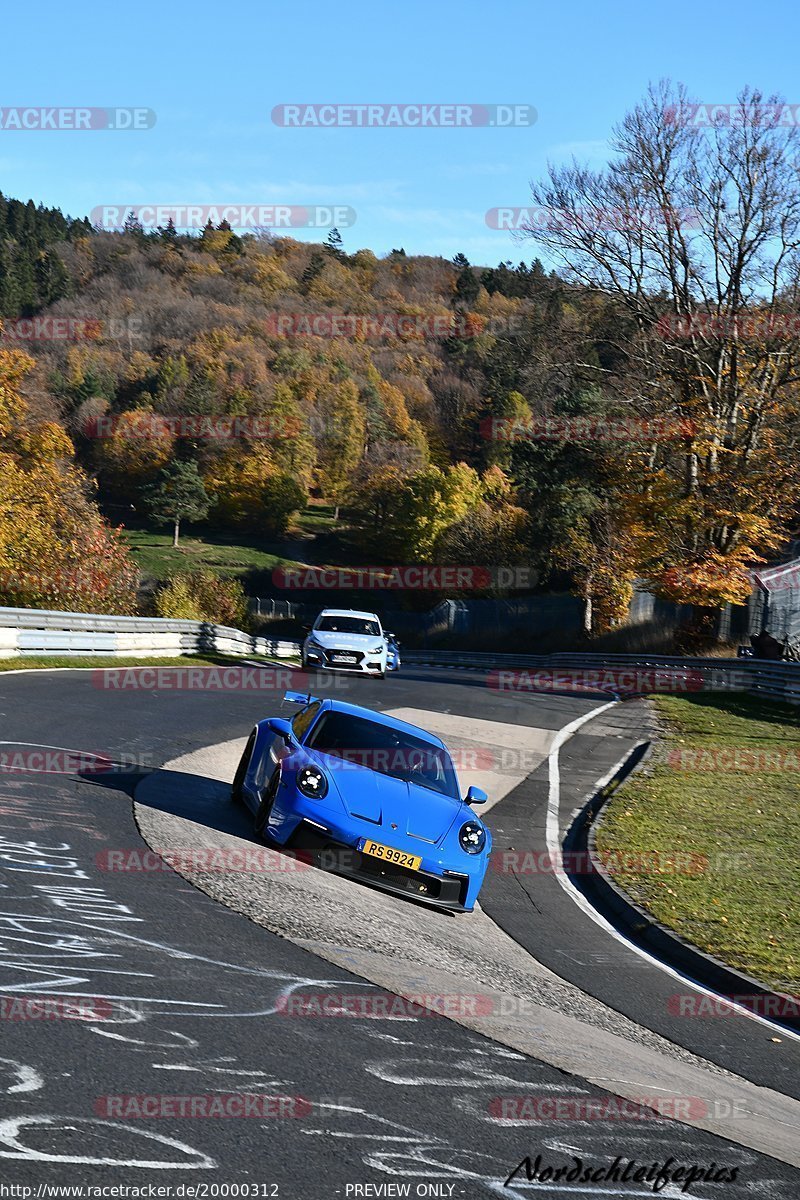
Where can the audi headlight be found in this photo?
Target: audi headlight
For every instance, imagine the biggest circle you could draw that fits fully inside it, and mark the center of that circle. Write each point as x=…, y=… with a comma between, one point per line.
x=472, y=837
x=312, y=783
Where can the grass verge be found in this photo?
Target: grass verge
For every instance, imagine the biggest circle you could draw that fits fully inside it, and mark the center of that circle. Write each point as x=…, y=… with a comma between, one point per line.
x=724, y=786
x=34, y=661
x=155, y=555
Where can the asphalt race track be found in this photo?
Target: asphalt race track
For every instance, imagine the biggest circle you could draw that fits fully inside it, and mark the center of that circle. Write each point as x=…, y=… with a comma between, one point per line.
x=185, y=996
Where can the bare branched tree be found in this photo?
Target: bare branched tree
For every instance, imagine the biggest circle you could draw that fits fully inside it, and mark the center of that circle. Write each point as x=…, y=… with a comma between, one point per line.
x=693, y=231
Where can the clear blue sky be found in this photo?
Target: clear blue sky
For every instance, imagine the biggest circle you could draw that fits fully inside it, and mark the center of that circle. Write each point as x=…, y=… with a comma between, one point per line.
x=213, y=73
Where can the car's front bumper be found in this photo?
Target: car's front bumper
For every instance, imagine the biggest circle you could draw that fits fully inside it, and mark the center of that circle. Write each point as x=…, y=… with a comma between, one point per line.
x=447, y=890
x=363, y=664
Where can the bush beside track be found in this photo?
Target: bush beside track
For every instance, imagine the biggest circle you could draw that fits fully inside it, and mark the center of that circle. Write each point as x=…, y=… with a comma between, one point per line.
x=722, y=793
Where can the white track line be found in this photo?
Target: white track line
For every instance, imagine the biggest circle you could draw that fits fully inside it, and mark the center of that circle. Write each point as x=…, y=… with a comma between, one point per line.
x=553, y=838
x=44, y=670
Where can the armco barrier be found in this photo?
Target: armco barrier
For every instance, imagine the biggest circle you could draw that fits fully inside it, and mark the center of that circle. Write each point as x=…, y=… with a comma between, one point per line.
x=773, y=680
x=36, y=631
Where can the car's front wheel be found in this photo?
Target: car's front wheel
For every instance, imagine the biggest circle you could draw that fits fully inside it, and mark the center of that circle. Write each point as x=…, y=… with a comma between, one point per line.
x=267, y=800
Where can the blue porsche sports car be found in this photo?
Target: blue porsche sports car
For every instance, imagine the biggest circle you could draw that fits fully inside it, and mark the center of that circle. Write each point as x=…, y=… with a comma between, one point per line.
x=367, y=796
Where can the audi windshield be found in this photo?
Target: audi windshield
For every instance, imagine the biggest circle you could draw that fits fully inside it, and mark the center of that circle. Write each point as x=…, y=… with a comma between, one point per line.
x=357, y=625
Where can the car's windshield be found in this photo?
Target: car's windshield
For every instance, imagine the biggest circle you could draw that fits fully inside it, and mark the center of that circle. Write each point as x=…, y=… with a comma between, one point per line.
x=382, y=748
x=348, y=625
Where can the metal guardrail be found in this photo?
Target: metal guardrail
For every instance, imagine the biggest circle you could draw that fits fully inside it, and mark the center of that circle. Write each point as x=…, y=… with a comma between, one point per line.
x=46, y=632
x=773, y=680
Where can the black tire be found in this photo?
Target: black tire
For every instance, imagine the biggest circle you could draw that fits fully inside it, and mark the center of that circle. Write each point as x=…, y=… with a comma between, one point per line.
x=267, y=801
x=244, y=762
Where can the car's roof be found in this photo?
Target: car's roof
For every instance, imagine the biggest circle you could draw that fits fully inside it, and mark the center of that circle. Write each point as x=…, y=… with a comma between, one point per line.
x=347, y=612
x=369, y=714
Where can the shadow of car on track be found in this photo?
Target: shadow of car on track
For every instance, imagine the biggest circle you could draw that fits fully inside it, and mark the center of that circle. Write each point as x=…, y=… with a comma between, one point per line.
x=193, y=797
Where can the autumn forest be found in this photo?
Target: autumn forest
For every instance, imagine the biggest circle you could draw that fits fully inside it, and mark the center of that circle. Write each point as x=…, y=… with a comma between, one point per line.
x=628, y=412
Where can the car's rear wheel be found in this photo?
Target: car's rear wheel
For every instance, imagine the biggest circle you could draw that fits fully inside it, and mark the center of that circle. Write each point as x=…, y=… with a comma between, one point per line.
x=237, y=795
x=267, y=800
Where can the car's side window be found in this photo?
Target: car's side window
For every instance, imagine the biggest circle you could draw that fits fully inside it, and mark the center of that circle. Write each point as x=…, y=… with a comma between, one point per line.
x=303, y=721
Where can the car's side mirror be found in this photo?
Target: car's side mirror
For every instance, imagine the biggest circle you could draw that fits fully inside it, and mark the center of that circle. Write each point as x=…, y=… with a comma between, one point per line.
x=475, y=796
x=281, y=729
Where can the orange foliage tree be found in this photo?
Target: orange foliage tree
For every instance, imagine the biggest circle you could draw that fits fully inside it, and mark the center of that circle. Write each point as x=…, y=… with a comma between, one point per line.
x=55, y=549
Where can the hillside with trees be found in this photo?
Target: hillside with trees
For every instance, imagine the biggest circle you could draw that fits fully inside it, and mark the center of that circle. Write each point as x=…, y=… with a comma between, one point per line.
x=449, y=413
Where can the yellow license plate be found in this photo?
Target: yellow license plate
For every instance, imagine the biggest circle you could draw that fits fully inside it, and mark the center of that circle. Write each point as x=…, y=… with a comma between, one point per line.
x=398, y=857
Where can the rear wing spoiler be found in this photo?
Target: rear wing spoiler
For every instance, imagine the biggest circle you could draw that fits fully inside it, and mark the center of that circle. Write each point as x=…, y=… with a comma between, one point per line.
x=303, y=698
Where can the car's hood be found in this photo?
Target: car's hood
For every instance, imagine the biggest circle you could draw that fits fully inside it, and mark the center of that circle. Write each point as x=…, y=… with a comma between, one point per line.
x=346, y=641
x=388, y=803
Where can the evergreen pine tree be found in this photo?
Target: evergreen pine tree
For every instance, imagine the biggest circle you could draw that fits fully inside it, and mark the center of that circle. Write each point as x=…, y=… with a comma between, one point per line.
x=334, y=244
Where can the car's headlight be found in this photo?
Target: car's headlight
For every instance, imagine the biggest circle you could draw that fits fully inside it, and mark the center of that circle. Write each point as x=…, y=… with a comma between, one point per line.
x=377, y=649
x=312, y=783
x=472, y=837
